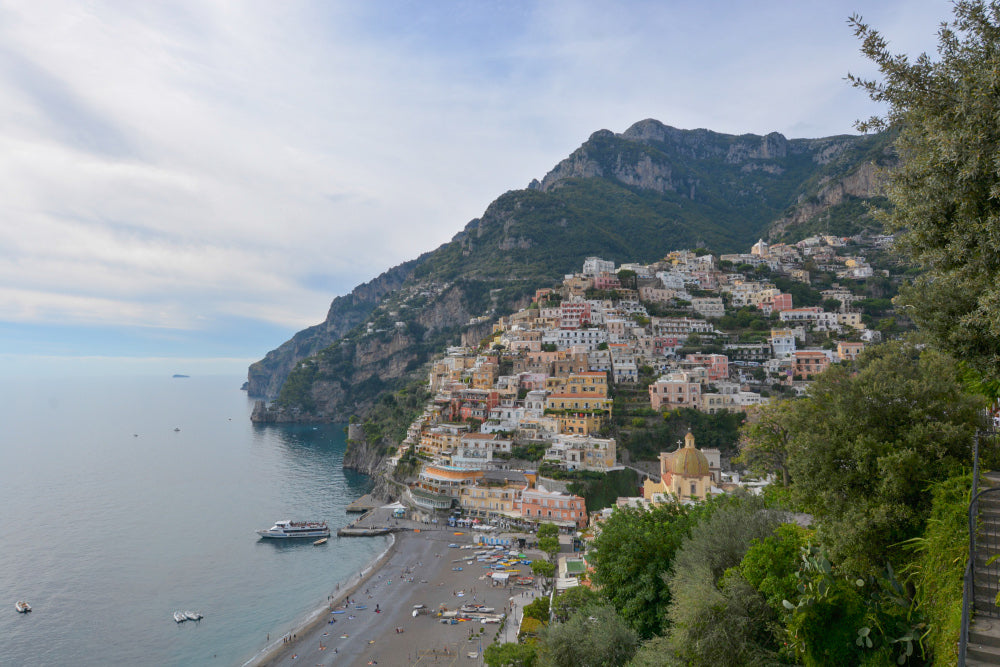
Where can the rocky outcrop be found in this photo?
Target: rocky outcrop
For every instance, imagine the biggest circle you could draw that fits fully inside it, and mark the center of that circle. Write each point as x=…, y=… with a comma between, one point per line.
x=860, y=183
x=361, y=457
x=266, y=376
x=644, y=174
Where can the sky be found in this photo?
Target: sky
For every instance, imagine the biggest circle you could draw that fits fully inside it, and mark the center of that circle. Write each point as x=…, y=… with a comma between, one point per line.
x=186, y=184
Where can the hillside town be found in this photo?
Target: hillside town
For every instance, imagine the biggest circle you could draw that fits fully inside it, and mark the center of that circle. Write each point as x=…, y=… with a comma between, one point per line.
x=710, y=333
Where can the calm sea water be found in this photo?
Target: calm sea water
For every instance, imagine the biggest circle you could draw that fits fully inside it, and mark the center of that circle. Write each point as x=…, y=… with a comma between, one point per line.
x=111, y=520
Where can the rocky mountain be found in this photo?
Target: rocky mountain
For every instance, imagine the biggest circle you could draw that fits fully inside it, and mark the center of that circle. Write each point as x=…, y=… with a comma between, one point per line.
x=632, y=196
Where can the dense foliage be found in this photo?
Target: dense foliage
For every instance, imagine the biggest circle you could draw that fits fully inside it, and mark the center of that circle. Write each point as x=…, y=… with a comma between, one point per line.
x=866, y=444
x=633, y=551
x=945, y=192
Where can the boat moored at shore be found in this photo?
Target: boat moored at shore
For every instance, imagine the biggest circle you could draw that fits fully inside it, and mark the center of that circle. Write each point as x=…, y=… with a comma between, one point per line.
x=286, y=528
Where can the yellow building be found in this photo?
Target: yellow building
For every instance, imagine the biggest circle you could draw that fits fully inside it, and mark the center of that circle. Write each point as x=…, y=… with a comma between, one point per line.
x=441, y=439
x=588, y=382
x=580, y=423
x=496, y=494
x=684, y=474
x=580, y=402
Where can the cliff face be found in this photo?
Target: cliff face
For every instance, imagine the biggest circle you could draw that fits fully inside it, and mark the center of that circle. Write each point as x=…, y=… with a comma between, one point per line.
x=860, y=184
x=265, y=377
x=336, y=379
x=632, y=196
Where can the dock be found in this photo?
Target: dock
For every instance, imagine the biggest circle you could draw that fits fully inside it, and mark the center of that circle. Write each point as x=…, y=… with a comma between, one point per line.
x=348, y=531
x=362, y=505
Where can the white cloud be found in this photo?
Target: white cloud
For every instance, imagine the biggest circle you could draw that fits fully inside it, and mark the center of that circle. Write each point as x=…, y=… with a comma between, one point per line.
x=162, y=164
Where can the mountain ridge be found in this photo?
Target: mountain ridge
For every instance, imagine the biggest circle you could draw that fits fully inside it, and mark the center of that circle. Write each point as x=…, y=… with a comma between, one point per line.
x=632, y=196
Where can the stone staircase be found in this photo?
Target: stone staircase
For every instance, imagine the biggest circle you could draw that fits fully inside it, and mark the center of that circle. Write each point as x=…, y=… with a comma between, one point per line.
x=984, y=633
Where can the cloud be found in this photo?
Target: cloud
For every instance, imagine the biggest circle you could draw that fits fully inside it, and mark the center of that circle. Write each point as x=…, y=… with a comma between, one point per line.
x=169, y=165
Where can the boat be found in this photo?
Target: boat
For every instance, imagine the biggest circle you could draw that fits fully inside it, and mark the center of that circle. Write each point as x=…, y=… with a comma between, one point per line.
x=193, y=616
x=179, y=616
x=287, y=528
x=320, y=541
x=22, y=607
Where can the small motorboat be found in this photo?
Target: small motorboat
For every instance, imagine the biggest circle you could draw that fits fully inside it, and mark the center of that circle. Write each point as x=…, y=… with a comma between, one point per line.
x=179, y=616
x=22, y=607
x=193, y=616
x=320, y=541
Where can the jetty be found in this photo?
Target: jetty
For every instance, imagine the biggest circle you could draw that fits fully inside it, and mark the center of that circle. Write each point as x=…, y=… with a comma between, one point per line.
x=362, y=505
x=349, y=531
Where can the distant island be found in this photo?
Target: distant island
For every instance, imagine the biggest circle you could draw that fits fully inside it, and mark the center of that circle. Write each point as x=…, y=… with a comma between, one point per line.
x=181, y=375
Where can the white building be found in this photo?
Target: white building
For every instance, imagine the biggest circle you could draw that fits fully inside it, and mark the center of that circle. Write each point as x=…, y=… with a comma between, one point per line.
x=583, y=452
x=595, y=266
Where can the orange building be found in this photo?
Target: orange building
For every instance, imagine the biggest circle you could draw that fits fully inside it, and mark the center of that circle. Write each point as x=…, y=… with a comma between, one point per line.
x=807, y=363
x=561, y=509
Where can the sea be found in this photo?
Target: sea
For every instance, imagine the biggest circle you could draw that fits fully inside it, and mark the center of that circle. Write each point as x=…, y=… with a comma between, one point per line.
x=124, y=499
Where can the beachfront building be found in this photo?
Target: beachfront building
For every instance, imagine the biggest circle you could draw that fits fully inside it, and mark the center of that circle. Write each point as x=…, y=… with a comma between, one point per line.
x=562, y=509
x=439, y=487
x=495, y=496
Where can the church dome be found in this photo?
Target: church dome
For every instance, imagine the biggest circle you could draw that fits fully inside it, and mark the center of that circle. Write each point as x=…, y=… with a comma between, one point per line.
x=688, y=461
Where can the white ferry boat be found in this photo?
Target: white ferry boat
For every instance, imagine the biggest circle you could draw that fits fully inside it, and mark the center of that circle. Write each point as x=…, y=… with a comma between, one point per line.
x=287, y=528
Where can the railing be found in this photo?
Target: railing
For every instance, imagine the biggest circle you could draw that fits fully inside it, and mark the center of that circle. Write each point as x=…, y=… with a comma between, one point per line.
x=992, y=580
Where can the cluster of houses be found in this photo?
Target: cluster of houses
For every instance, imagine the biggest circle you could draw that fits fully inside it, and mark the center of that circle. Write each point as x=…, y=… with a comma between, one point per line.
x=542, y=379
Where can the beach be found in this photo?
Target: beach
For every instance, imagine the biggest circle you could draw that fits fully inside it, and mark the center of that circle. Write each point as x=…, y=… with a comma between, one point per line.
x=371, y=621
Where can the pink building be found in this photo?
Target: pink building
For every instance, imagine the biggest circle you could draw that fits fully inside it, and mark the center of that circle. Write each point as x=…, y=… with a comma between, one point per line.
x=777, y=303
x=561, y=509
x=675, y=391
x=606, y=281
x=717, y=365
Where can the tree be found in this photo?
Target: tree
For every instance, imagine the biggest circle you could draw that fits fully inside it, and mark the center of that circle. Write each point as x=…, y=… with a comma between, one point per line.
x=572, y=601
x=592, y=637
x=765, y=439
x=634, y=550
x=548, y=539
x=716, y=617
x=945, y=191
x=627, y=278
x=831, y=305
x=867, y=443
x=543, y=568
x=510, y=655
x=538, y=609
x=770, y=564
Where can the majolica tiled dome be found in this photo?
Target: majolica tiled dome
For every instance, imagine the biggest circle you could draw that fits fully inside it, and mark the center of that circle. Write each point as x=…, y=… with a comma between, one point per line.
x=688, y=461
